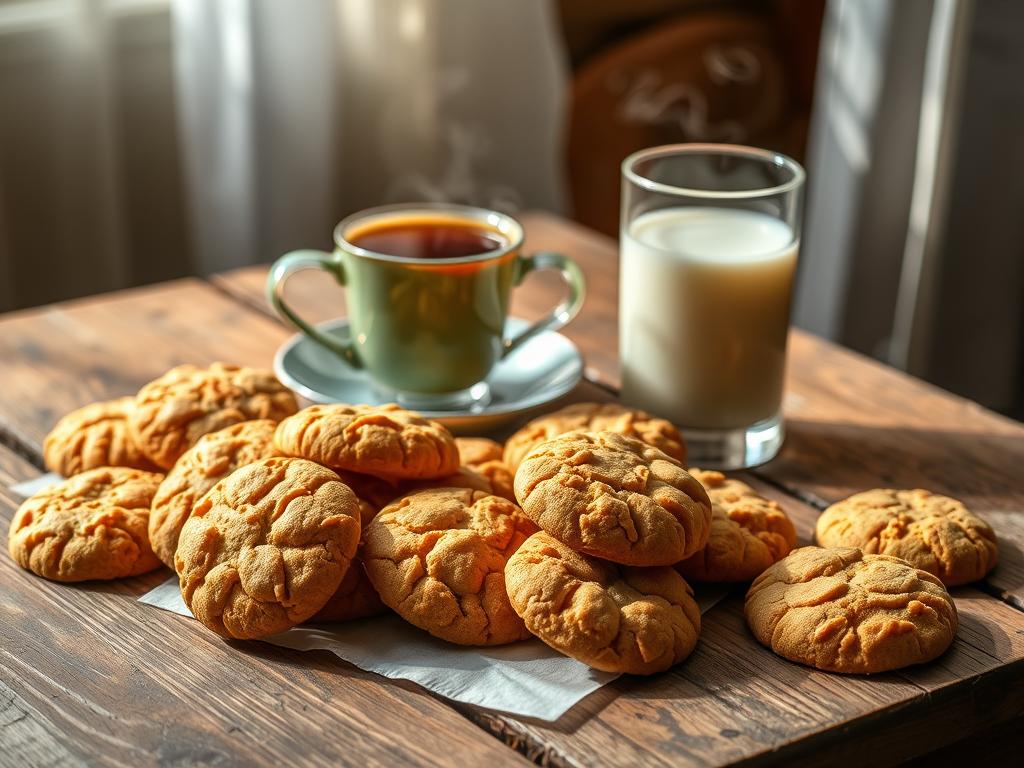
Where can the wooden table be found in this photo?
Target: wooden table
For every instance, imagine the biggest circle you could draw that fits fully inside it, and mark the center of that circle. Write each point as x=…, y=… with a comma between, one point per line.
x=87, y=675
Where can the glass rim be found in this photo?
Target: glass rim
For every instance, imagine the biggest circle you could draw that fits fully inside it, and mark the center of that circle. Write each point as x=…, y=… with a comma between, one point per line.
x=735, y=150
x=502, y=222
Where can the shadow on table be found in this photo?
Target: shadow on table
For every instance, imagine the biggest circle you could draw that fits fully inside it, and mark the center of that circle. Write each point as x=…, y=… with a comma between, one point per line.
x=826, y=461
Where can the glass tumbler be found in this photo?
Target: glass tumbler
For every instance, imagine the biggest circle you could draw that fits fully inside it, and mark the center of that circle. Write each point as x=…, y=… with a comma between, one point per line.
x=709, y=243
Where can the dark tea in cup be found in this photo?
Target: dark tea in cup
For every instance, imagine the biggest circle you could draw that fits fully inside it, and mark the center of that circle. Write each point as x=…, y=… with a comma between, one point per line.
x=427, y=237
x=428, y=291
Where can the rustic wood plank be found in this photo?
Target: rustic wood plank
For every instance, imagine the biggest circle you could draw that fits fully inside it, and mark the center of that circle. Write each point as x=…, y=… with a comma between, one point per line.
x=15, y=467
x=731, y=701
x=735, y=701
x=112, y=677
x=62, y=356
x=25, y=739
x=855, y=424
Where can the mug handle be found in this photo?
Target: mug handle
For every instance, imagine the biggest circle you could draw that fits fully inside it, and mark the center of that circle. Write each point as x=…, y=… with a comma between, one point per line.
x=278, y=276
x=566, y=310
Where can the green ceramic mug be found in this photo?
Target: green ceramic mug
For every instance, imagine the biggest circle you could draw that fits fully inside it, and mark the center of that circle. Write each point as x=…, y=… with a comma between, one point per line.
x=428, y=290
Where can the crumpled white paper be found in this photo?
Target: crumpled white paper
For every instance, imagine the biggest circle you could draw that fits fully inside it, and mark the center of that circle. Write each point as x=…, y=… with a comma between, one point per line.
x=526, y=679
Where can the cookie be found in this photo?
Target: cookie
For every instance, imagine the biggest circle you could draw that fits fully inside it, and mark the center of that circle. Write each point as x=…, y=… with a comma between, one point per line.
x=842, y=610
x=614, y=497
x=500, y=477
x=375, y=492
x=484, y=456
x=478, y=450
x=266, y=547
x=935, y=533
x=613, y=618
x=96, y=435
x=464, y=477
x=174, y=411
x=373, y=440
x=438, y=557
x=92, y=526
x=596, y=417
x=210, y=460
x=355, y=598
x=748, y=532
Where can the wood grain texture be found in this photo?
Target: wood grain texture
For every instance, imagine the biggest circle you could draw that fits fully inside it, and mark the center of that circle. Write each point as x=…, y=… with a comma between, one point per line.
x=734, y=701
x=63, y=356
x=98, y=670
x=854, y=424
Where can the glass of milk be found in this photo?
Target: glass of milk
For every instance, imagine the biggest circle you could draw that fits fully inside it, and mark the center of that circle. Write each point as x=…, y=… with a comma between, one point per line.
x=710, y=235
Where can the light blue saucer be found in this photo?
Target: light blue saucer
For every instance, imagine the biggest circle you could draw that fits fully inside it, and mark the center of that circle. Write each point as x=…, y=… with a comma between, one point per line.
x=541, y=370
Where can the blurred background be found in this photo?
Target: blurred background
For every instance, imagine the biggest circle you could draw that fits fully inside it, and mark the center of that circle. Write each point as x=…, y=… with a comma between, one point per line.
x=142, y=140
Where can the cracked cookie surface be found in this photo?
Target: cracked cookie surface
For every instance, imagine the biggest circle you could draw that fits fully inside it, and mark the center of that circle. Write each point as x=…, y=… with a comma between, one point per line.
x=95, y=435
x=614, y=497
x=375, y=440
x=477, y=450
x=484, y=456
x=172, y=412
x=748, y=532
x=842, y=610
x=92, y=526
x=267, y=546
x=438, y=558
x=935, y=533
x=210, y=460
x=595, y=417
x=614, y=618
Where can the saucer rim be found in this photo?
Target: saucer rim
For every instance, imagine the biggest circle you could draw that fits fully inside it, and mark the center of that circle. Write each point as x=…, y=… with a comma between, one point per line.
x=508, y=409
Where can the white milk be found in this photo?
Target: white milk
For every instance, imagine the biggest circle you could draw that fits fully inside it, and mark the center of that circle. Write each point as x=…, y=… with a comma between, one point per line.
x=704, y=309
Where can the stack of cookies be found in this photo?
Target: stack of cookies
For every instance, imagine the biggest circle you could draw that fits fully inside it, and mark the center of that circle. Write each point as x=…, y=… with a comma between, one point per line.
x=97, y=523
x=583, y=529
x=622, y=522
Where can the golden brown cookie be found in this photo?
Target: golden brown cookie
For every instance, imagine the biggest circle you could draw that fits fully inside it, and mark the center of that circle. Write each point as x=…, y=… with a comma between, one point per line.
x=94, y=436
x=614, y=497
x=484, y=456
x=935, y=533
x=501, y=478
x=463, y=477
x=266, y=547
x=355, y=598
x=477, y=450
x=845, y=611
x=374, y=440
x=615, y=618
x=174, y=411
x=210, y=460
x=596, y=417
x=376, y=492
x=438, y=557
x=92, y=526
x=748, y=532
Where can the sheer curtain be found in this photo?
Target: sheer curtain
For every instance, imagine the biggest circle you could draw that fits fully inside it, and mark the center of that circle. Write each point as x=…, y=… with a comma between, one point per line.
x=141, y=140
x=293, y=114
x=86, y=106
